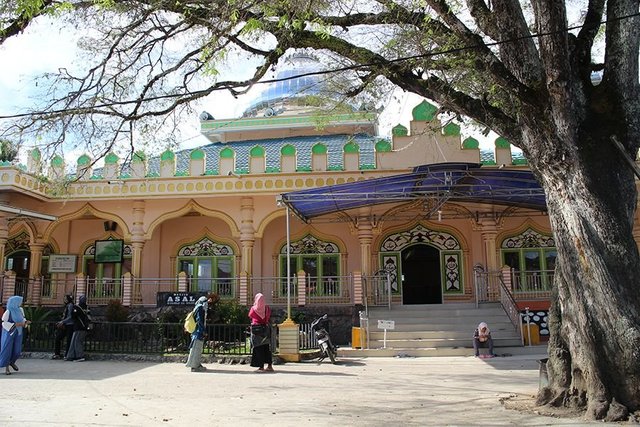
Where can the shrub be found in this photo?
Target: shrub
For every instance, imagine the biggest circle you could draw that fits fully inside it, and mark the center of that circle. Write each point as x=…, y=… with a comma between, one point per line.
x=116, y=312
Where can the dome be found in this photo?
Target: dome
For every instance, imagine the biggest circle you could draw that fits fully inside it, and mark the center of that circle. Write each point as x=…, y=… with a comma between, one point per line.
x=288, y=95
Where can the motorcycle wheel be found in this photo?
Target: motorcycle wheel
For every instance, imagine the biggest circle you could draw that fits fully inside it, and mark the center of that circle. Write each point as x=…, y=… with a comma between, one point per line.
x=332, y=355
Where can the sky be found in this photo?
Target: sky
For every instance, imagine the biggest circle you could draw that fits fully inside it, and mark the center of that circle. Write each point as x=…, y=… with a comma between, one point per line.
x=45, y=47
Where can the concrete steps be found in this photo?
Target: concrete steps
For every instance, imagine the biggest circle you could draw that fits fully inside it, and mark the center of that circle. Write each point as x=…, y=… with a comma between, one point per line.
x=437, y=330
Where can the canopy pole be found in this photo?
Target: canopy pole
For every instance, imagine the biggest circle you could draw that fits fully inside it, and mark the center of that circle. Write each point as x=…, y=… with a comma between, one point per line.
x=288, y=266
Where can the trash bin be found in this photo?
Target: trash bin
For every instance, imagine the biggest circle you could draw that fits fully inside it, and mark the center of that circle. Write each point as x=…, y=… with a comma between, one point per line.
x=531, y=330
x=543, y=377
x=358, y=337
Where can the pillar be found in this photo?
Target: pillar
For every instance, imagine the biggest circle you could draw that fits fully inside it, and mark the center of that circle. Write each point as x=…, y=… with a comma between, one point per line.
x=183, y=286
x=4, y=236
x=489, y=230
x=357, y=288
x=247, y=234
x=365, y=237
x=289, y=341
x=127, y=289
x=301, y=279
x=137, y=238
x=243, y=291
x=81, y=287
x=9, y=285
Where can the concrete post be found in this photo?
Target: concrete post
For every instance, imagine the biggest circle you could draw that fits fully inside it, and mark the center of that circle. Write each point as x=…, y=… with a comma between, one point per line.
x=302, y=288
x=81, y=286
x=289, y=341
x=243, y=291
x=127, y=289
x=357, y=288
x=9, y=288
x=183, y=286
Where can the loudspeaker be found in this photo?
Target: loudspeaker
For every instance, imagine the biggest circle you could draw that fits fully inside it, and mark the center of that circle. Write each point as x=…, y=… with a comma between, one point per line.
x=110, y=225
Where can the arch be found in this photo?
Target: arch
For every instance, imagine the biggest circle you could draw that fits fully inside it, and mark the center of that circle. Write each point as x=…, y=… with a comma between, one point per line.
x=23, y=226
x=227, y=153
x=88, y=209
x=262, y=226
x=257, y=151
x=204, y=235
x=193, y=206
x=319, y=148
x=111, y=159
x=308, y=231
x=527, y=224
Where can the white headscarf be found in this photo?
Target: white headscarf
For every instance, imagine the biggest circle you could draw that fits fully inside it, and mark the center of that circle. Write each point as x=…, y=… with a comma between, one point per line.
x=483, y=325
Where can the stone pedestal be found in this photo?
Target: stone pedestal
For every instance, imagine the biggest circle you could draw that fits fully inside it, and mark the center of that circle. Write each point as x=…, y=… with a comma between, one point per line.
x=289, y=341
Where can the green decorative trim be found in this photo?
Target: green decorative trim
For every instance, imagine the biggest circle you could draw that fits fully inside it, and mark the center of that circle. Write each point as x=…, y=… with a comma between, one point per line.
x=502, y=142
x=489, y=162
x=304, y=169
x=470, y=143
x=383, y=146
x=168, y=155
x=197, y=154
x=139, y=156
x=367, y=166
x=22, y=167
x=351, y=147
x=96, y=177
x=520, y=161
x=5, y=163
x=283, y=121
x=111, y=159
x=335, y=168
x=57, y=161
x=227, y=153
x=288, y=150
x=399, y=130
x=153, y=175
x=319, y=148
x=451, y=129
x=181, y=173
x=84, y=160
x=35, y=154
x=211, y=172
x=257, y=151
x=424, y=112
x=125, y=176
x=242, y=171
x=272, y=169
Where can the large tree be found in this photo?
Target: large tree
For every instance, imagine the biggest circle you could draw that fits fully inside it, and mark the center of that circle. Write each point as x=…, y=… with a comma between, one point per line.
x=523, y=69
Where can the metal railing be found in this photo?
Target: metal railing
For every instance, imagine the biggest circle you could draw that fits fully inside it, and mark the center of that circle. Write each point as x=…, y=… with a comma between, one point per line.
x=145, y=290
x=532, y=284
x=102, y=290
x=143, y=338
x=275, y=289
x=378, y=289
x=329, y=289
x=511, y=308
x=226, y=288
x=491, y=288
x=52, y=290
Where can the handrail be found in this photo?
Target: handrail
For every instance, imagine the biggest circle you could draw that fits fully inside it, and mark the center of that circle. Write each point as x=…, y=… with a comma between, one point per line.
x=509, y=305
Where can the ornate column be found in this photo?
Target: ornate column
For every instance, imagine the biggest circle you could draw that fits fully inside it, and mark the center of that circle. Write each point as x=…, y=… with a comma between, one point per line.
x=489, y=230
x=35, y=264
x=137, y=238
x=247, y=235
x=4, y=236
x=365, y=237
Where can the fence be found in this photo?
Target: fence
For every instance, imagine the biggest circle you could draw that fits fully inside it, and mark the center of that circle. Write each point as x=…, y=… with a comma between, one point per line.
x=532, y=284
x=377, y=289
x=144, y=338
x=145, y=290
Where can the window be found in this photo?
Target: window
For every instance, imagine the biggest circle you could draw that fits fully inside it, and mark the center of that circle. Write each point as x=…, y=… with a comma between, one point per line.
x=532, y=256
x=209, y=267
x=320, y=260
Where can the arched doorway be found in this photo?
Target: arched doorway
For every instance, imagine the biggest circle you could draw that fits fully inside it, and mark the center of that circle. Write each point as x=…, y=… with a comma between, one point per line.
x=19, y=262
x=421, y=281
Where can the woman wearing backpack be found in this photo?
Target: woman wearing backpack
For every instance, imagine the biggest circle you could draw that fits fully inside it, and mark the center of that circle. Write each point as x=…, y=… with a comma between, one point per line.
x=198, y=335
x=80, y=316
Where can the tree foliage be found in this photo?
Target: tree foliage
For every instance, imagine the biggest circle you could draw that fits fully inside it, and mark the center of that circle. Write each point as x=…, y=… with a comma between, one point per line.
x=521, y=69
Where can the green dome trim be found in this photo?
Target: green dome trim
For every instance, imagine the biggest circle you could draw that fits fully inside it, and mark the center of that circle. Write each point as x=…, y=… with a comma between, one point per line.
x=111, y=159
x=470, y=143
x=57, y=161
x=451, y=129
x=319, y=148
x=257, y=151
x=35, y=154
x=351, y=147
x=181, y=173
x=84, y=160
x=424, y=112
x=288, y=150
x=139, y=156
x=167, y=155
x=227, y=153
x=272, y=169
x=399, y=130
x=520, y=161
x=502, y=142
x=304, y=169
x=383, y=146
x=197, y=154
x=210, y=172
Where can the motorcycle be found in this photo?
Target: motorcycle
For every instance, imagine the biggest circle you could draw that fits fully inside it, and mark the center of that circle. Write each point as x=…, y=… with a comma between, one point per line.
x=319, y=328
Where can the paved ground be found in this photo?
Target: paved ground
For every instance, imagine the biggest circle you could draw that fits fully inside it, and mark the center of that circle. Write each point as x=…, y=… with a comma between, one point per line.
x=354, y=392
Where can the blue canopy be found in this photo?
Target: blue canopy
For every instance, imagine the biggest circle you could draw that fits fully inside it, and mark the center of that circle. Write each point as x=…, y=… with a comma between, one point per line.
x=461, y=182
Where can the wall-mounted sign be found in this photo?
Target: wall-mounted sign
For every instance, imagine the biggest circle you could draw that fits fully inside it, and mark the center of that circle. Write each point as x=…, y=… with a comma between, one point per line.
x=62, y=263
x=178, y=298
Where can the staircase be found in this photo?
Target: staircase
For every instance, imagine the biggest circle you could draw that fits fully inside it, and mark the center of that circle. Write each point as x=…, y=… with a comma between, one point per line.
x=439, y=330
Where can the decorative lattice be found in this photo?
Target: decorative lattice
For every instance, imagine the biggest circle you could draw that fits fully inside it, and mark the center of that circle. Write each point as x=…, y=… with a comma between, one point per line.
x=420, y=234
x=529, y=239
x=311, y=245
x=205, y=247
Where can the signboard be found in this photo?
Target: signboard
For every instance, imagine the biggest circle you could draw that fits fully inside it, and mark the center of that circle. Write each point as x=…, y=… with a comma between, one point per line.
x=62, y=263
x=109, y=251
x=386, y=324
x=178, y=298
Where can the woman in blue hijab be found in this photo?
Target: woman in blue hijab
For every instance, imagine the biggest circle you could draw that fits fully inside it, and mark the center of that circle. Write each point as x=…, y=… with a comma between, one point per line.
x=198, y=335
x=13, y=322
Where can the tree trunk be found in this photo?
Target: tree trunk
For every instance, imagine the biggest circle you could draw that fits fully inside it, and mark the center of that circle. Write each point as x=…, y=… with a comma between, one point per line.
x=594, y=349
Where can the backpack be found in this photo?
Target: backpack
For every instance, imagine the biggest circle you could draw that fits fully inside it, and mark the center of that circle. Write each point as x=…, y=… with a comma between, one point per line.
x=82, y=317
x=190, y=323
